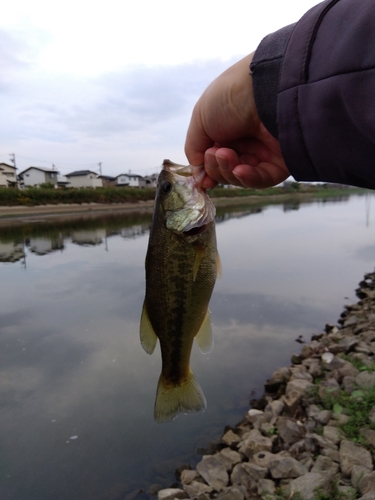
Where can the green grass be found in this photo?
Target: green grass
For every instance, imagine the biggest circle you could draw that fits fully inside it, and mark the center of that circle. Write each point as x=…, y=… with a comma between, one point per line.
x=46, y=196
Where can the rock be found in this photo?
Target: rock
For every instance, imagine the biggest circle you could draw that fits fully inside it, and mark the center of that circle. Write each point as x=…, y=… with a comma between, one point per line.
x=367, y=483
x=298, y=385
x=352, y=454
x=275, y=408
x=333, y=454
x=325, y=464
x=332, y=434
x=171, y=493
x=279, y=378
x=365, y=379
x=263, y=459
x=256, y=417
x=306, y=485
x=358, y=471
x=286, y=467
x=213, y=472
x=196, y=488
x=329, y=388
x=188, y=476
x=292, y=401
x=368, y=496
x=371, y=415
x=289, y=431
x=231, y=494
x=254, y=443
x=322, y=442
x=266, y=487
x=228, y=458
x=323, y=417
x=247, y=474
x=349, y=384
x=348, y=370
x=351, y=321
x=369, y=435
x=230, y=438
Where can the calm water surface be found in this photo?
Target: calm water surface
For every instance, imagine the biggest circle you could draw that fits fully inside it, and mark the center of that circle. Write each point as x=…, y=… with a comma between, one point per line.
x=76, y=388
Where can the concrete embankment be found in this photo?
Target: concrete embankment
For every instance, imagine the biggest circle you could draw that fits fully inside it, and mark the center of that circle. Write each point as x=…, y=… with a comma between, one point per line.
x=311, y=436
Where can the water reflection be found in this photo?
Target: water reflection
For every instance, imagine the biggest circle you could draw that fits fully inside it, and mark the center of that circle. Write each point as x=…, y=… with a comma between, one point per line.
x=42, y=239
x=71, y=363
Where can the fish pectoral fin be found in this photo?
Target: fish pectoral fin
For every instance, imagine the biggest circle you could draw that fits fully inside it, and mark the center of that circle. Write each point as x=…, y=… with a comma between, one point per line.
x=204, y=336
x=146, y=332
x=199, y=254
x=172, y=399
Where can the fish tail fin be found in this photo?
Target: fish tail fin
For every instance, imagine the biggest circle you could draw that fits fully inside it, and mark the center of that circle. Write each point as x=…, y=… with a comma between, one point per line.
x=171, y=400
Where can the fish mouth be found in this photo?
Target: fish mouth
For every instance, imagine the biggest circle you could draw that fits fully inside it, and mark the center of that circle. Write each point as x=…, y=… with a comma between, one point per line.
x=196, y=230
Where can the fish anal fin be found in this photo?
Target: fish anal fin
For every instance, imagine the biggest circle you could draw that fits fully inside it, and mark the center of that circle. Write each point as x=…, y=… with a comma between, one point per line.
x=199, y=254
x=171, y=400
x=204, y=336
x=146, y=332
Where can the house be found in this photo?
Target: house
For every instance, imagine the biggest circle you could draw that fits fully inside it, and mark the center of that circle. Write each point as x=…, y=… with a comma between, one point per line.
x=130, y=180
x=84, y=179
x=8, y=176
x=34, y=176
x=151, y=180
x=108, y=181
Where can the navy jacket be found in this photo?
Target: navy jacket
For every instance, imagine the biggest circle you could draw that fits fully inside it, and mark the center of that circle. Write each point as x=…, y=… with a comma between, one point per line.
x=314, y=87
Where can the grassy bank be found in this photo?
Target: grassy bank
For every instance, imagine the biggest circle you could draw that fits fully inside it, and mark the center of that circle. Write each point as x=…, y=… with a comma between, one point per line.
x=47, y=196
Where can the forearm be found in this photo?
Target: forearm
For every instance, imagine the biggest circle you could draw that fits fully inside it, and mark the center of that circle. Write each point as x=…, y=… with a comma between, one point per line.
x=314, y=85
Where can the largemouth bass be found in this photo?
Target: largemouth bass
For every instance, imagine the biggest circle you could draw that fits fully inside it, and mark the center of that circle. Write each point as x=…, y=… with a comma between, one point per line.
x=181, y=266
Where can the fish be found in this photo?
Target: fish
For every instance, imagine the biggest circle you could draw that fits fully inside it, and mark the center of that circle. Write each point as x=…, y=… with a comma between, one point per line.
x=181, y=267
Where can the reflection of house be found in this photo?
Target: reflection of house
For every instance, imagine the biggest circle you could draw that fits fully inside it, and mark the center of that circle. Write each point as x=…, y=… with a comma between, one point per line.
x=89, y=237
x=34, y=176
x=131, y=180
x=8, y=177
x=84, y=179
x=11, y=251
x=42, y=246
x=133, y=231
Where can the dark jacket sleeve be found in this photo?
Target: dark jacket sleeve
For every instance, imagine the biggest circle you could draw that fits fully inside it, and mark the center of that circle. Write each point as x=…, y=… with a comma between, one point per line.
x=314, y=87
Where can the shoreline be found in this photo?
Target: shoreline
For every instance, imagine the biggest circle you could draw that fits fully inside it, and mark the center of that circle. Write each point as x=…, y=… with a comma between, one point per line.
x=21, y=214
x=301, y=439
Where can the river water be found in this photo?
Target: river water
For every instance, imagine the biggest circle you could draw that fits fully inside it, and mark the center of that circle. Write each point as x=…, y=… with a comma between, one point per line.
x=76, y=388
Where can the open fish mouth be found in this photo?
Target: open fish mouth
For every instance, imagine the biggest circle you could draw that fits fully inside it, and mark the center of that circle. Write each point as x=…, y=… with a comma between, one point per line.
x=196, y=230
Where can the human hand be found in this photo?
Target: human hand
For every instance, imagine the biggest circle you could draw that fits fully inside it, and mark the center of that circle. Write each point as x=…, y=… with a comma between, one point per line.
x=227, y=137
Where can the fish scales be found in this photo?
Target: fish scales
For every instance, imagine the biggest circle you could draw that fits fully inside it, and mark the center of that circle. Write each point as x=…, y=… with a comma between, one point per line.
x=180, y=276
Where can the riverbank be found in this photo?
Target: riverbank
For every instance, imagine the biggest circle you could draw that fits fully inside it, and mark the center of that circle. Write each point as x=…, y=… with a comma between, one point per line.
x=312, y=434
x=20, y=214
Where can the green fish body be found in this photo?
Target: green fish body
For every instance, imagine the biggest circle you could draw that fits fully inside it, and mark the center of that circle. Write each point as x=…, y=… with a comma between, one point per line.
x=181, y=268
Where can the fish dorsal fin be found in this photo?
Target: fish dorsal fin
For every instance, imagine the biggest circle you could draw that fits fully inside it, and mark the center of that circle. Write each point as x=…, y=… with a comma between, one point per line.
x=199, y=253
x=147, y=334
x=204, y=336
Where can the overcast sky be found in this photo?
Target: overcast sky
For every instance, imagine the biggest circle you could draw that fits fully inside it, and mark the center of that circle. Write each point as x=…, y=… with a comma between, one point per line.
x=115, y=82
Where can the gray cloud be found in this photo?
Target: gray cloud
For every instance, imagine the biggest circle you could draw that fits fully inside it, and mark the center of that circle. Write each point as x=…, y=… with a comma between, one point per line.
x=130, y=100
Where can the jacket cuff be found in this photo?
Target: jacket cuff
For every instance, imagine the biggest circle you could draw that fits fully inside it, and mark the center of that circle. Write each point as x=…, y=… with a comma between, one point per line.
x=265, y=70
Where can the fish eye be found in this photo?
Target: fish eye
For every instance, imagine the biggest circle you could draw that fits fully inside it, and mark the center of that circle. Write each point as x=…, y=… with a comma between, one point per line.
x=166, y=187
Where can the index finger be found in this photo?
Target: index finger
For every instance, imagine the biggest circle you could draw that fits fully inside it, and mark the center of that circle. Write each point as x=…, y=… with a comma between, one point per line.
x=197, y=141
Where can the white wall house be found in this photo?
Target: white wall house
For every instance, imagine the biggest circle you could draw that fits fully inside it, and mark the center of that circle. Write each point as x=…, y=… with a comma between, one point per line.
x=83, y=179
x=34, y=176
x=8, y=176
x=131, y=180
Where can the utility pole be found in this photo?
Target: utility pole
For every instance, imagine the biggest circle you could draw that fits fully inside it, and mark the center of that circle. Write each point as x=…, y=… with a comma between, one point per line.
x=13, y=159
x=100, y=167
